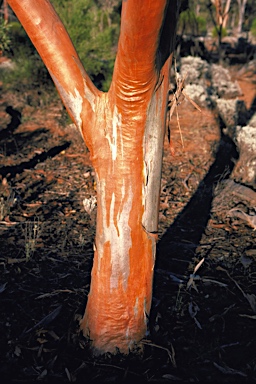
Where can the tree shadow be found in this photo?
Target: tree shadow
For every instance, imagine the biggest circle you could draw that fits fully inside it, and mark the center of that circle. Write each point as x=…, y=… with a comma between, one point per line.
x=14, y=143
x=252, y=109
x=10, y=171
x=14, y=123
x=181, y=239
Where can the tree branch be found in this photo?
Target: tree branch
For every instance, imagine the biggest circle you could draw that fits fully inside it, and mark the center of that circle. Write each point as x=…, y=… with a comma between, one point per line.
x=137, y=63
x=54, y=45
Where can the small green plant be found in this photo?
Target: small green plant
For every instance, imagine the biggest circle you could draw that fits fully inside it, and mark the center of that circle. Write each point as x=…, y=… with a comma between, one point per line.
x=5, y=40
x=190, y=23
x=216, y=32
x=187, y=22
x=201, y=25
x=32, y=233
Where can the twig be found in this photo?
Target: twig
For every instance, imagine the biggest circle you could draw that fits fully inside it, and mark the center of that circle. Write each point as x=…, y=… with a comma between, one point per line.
x=178, y=122
x=191, y=101
x=56, y=292
x=250, y=219
x=171, y=354
x=193, y=276
x=46, y=320
x=180, y=82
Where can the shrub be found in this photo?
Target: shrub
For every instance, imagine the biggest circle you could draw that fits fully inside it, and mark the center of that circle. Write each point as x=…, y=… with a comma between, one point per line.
x=5, y=40
x=20, y=41
x=187, y=22
x=215, y=32
x=253, y=28
x=201, y=25
x=29, y=70
x=94, y=30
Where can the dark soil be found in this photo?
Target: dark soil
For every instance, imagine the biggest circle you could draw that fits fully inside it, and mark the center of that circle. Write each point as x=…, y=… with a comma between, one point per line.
x=202, y=323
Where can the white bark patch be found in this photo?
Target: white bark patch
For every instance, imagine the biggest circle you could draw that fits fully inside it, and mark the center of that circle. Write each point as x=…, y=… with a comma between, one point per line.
x=120, y=241
x=136, y=307
x=89, y=96
x=144, y=184
x=118, y=233
x=36, y=19
x=73, y=102
x=112, y=136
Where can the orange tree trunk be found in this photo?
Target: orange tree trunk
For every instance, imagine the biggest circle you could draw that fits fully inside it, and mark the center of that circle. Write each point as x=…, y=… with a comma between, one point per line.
x=124, y=131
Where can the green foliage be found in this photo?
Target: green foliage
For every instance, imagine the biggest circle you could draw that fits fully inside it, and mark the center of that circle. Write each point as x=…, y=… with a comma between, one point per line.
x=189, y=23
x=202, y=25
x=94, y=30
x=29, y=70
x=20, y=42
x=5, y=40
x=253, y=28
x=216, y=32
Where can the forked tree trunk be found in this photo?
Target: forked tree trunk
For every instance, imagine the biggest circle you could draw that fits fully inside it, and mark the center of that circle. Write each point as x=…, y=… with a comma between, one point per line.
x=222, y=11
x=124, y=131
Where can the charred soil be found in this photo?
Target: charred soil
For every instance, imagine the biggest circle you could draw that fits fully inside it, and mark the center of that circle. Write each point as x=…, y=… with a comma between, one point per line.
x=202, y=323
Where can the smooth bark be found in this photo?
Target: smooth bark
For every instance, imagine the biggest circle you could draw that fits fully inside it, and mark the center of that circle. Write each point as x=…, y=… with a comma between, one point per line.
x=5, y=11
x=124, y=131
x=241, y=11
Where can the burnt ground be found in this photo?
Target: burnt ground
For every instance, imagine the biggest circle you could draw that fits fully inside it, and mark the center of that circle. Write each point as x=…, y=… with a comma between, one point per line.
x=202, y=325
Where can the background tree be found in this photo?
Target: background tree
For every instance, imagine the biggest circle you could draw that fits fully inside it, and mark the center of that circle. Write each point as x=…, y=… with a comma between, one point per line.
x=5, y=10
x=124, y=131
x=219, y=19
x=222, y=12
x=191, y=22
x=241, y=12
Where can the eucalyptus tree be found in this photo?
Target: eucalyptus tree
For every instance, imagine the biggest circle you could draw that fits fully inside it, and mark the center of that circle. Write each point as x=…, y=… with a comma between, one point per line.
x=124, y=130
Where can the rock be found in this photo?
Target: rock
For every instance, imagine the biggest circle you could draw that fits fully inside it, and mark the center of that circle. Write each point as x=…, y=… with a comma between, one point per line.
x=252, y=122
x=195, y=69
x=215, y=80
x=232, y=112
x=222, y=83
x=246, y=138
x=197, y=72
x=245, y=168
x=198, y=94
x=211, y=85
